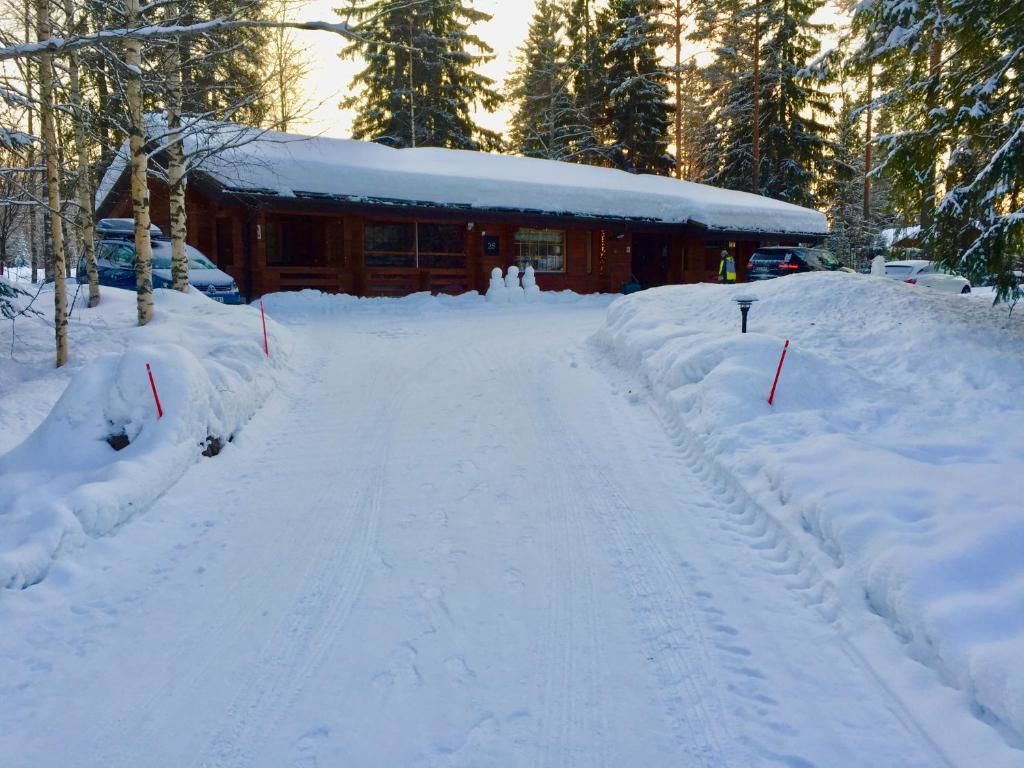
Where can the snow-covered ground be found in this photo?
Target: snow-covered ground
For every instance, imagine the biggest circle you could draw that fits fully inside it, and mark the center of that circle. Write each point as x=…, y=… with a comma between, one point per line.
x=62, y=482
x=460, y=534
x=892, y=457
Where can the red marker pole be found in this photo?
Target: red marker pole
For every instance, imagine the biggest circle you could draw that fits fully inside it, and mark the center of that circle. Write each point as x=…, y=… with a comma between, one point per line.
x=263, y=316
x=156, y=397
x=771, y=397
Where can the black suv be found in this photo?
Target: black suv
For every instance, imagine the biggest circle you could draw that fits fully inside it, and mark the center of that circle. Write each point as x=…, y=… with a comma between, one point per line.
x=776, y=261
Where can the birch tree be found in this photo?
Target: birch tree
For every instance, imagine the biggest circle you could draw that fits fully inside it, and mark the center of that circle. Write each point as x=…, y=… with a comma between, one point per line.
x=84, y=218
x=46, y=109
x=176, y=178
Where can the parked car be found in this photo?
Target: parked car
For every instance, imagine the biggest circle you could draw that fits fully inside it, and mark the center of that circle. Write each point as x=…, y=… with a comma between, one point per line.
x=776, y=261
x=927, y=273
x=115, y=260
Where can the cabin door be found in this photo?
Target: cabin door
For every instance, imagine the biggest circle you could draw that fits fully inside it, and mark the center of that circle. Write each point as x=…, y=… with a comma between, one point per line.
x=652, y=260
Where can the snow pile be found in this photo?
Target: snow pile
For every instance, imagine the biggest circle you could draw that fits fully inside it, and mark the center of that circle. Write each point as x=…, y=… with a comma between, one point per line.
x=308, y=304
x=66, y=482
x=893, y=454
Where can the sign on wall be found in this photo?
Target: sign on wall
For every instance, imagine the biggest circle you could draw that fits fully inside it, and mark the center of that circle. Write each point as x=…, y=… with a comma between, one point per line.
x=492, y=245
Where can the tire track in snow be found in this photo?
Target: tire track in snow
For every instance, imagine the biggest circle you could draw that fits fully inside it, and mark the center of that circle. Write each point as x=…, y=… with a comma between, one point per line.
x=783, y=557
x=672, y=637
x=753, y=527
x=313, y=626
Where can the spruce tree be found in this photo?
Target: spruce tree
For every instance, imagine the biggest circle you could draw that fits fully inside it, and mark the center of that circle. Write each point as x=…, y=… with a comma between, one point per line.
x=420, y=82
x=979, y=227
x=638, y=108
x=544, y=122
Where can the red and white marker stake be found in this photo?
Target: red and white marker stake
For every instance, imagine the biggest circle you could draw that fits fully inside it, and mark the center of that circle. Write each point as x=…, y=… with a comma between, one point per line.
x=263, y=316
x=771, y=397
x=156, y=397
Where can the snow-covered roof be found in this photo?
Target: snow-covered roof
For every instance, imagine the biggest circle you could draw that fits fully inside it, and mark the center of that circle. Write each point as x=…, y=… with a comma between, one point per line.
x=291, y=165
x=895, y=235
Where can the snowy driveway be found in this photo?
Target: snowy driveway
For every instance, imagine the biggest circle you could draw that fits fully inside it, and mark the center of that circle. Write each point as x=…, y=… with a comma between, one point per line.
x=456, y=539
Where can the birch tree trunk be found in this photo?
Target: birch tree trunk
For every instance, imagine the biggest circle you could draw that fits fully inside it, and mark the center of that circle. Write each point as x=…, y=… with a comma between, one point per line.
x=84, y=220
x=140, y=168
x=60, y=297
x=176, y=178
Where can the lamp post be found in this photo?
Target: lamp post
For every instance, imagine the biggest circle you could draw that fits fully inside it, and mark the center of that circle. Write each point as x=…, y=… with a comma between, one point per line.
x=745, y=303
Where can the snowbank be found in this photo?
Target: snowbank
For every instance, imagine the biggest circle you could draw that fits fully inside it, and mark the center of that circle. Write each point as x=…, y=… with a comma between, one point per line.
x=893, y=454
x=65, y=482
x=310, y=303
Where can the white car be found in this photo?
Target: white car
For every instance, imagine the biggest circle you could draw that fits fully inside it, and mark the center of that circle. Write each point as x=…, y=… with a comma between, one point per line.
x=927, y=273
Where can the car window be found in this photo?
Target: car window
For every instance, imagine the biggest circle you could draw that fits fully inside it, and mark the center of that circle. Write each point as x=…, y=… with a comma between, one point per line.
x=898, y=270
x=162, y=257
x=828, y=259
x=768, y=255
x=122, y=255
x=927, y=269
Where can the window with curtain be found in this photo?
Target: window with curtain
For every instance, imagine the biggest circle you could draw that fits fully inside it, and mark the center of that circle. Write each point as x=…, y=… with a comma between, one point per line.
x=543, y=249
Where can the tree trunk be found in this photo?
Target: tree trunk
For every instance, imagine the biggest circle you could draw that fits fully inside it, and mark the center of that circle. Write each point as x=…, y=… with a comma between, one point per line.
x=60, y=298
x=867, y=145
x=84, y=219
x=931, y=104
x=176, y=178
x=33, y=239
x=755, y=175
x=677, y=32
x=140, y=169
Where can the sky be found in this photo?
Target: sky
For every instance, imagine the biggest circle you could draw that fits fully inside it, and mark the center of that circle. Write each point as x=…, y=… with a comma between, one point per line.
x=329, y=78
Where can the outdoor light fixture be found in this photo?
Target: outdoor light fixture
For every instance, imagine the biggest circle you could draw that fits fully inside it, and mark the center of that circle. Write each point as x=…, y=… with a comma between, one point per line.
x=469, y=226
x=745, y=303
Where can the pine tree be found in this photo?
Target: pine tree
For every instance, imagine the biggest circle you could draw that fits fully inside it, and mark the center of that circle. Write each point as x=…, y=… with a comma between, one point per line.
x=586, y=60
x=766, y=108
x=854, y=226
x=223, y=72
x=638, y=109
x=420, y=82
x=903, y=43
x=544, y=122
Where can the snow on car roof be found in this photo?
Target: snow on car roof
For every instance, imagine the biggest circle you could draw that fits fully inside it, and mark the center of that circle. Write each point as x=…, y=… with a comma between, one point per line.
x=292, y=165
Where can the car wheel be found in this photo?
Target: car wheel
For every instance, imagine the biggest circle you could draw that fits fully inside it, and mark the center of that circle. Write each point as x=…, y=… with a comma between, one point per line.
x=965, y=289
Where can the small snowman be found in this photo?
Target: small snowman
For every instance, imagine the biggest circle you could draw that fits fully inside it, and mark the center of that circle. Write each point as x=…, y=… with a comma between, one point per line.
x=496, y=291
x=515, y=290
x=530, y=287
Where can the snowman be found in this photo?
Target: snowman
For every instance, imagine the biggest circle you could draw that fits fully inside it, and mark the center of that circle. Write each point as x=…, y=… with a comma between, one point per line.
x=496, y=291
x=515, y=290
x=530, y=287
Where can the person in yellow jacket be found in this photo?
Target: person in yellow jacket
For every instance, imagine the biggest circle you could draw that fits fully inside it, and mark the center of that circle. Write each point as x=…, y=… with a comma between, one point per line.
x=727, y=268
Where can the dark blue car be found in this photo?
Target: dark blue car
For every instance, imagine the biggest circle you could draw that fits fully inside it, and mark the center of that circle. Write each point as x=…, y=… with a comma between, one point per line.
x=115, y=261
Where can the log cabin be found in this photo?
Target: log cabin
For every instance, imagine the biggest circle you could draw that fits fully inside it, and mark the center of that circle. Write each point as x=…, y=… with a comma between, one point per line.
x=282, y=212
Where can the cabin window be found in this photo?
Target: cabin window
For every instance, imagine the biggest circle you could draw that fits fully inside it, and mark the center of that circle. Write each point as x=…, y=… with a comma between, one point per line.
x=413, y=245
x=543, y=249
x=441, y=245
x=390, y=244
x=294, y=241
